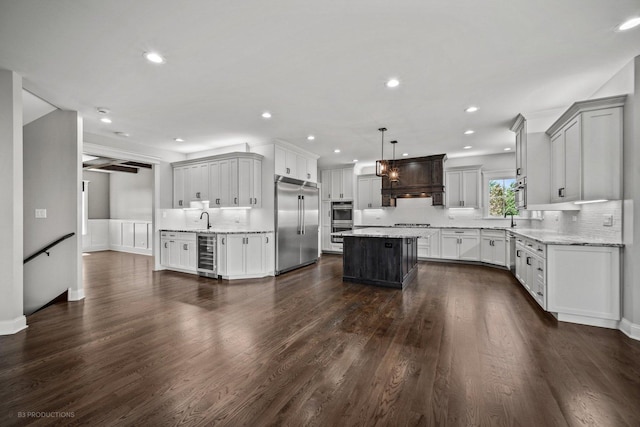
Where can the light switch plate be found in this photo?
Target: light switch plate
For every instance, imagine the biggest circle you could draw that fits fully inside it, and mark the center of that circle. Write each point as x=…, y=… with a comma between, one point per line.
x=608, y=220
x=41, y=213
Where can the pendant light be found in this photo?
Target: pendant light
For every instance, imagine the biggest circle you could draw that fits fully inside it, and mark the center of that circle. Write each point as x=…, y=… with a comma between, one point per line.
x=394, y=175
x=382, y=165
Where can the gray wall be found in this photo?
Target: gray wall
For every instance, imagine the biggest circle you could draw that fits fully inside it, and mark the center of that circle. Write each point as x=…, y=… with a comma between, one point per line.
x=131, y=195
x=51, y=176
x=98, y=194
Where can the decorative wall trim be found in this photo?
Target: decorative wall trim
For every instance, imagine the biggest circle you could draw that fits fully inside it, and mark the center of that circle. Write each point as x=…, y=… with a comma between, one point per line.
x=632, y=330
x=75, y=294
x=9, y=327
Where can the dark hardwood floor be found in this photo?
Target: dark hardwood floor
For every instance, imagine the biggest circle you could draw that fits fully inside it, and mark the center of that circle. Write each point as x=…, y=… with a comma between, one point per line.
x=461, y=345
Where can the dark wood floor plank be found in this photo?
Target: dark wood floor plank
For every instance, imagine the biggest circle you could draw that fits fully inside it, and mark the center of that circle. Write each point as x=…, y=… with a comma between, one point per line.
x=461, y=345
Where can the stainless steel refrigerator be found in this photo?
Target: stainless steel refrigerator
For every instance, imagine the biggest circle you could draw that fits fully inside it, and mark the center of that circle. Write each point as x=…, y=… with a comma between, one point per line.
x=296, y=212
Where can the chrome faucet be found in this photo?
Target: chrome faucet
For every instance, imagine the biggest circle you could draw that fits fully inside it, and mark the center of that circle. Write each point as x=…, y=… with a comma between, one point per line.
x=208, y=221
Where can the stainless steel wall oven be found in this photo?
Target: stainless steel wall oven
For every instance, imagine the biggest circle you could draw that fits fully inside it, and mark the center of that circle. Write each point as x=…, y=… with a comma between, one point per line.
x=341, y=219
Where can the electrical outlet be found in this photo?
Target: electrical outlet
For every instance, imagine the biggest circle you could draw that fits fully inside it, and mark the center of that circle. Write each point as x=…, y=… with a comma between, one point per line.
x=164, y=214
x=607, y=220
x=574, y=218
x=41, y=213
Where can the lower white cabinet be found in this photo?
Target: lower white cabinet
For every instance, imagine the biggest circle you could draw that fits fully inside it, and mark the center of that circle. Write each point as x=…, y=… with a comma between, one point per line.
x=460, y=244
x=531, y=266
x=493, y=247
x=178, y=251
x=429, y=246
x=584, y=284
x=242, y=256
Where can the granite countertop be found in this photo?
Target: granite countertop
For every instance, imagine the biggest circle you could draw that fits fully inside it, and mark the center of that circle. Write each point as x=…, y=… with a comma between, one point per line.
x=214, y=230
x=554, y=238
x=462, y=227
x=389, y=232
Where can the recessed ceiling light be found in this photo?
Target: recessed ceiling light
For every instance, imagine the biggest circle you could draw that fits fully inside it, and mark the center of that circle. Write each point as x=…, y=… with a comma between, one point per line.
x=178, y=139
x=629, y=24
x=393, y=83
x=507, y=149
x=105, y=120
x=471, y=109
x=102, y=110
x=311, y=137
x=337, y=150
x=355, y=160
x=266, y=115
x=469, y=132
x=122, y=134
x=154, y=57
x=466, y=147
x=405, y=154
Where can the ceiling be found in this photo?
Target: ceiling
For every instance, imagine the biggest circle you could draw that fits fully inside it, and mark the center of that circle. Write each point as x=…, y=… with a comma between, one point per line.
x=320, y=68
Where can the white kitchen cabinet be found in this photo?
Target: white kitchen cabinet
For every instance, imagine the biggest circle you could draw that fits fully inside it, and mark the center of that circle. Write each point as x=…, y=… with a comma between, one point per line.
x=586, y=151
x=429, y=246
x=178, y=251
x=520, y=129
x=459, y=244
x=219, y=184
x=493, y=247
x=296, y=165
x=337, y=184
x=462, y=188
x=369, y=192
x=325, y=176
x=249, y=193
x=228, y=180
x=325, y=238
x=531, y=268
x=242, y=256
x=584, y=284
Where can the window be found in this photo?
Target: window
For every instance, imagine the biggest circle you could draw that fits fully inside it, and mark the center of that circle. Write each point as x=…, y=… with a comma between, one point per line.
x=502, y=201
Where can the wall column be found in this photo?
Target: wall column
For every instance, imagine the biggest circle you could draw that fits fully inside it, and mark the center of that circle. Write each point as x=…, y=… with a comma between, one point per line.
x=12, y=317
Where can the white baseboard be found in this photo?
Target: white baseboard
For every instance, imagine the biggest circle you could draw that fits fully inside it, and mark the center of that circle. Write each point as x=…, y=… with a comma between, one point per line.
x=586, y=320
x=9, y=327
x=96, y=248
x=75, y=295
x=632, y=330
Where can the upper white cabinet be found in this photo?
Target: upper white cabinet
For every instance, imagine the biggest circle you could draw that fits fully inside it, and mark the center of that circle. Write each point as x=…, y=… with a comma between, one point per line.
x=462, y=188
x=296, y=165
x=230, y=180
x=586, y=151
x=369, y=192
x=337, y=184
x=520, y=129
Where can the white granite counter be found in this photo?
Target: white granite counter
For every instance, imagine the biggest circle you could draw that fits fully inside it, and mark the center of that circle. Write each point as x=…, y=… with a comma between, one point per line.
x=554, y=238
x=214, y=230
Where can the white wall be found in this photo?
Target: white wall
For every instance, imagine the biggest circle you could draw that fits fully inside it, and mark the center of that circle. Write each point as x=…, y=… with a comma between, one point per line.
x=52, y=182
x=131, y=195
x=98, y=194
x=12, y=317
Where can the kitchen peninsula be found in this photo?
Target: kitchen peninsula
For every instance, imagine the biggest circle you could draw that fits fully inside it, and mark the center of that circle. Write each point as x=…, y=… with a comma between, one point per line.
x=380, y=256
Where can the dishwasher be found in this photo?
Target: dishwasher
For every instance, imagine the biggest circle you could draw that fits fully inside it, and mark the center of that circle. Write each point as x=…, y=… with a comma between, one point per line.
x=207, y=255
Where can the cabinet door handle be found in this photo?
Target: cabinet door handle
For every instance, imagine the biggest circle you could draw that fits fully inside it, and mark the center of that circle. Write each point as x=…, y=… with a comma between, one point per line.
x=288, y=171
x=528, y=260
x=165, y=244
x=235, y=200
x=266, y=239
x=308, y=176
x=518, y=171
x=539, y=269
x=463, y=203
x=223, y=240
x=518, y=253
x=198, y=195
x=185, y=246
x=255, y=200
x=540, y=250
x=179, y=202
x=561, y=192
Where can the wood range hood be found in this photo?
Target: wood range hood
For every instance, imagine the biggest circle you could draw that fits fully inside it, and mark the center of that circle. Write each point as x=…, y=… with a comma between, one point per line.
x=419, y=177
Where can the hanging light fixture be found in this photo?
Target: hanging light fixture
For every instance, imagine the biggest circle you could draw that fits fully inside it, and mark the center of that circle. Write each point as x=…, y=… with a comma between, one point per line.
x=382, y=165
x=394, y=175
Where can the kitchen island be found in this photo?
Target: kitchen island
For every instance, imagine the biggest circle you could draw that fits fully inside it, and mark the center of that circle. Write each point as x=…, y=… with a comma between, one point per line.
x=380, y=256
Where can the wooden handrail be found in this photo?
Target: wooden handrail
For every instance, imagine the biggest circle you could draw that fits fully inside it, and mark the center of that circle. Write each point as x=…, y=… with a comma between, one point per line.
x=46, y=248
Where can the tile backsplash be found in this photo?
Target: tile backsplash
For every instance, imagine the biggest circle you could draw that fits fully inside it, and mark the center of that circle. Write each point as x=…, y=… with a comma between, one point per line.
x=588, y=221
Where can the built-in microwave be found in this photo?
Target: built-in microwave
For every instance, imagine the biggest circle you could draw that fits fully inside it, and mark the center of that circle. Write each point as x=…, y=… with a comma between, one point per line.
x=521, y=193
x=342, y=211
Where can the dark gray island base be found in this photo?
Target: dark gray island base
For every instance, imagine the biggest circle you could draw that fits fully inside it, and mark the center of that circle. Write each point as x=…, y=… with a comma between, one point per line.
x=381, y=261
